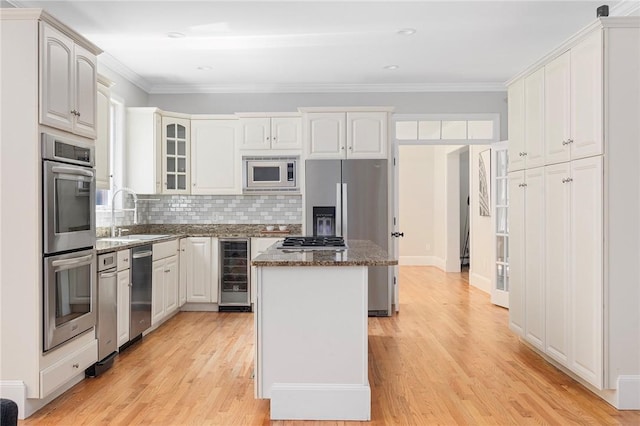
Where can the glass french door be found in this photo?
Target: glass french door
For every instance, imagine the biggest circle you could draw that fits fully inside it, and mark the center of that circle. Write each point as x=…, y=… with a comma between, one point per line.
x=500, y=289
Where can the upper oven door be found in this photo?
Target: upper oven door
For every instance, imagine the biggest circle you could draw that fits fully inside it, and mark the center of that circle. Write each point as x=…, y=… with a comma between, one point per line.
x=68, y=207
x=270, y=174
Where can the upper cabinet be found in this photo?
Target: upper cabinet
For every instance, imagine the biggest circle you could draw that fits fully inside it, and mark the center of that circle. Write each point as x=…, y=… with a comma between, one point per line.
x=103, y=134
x=176, y=148
x=144, y=150
x=68, y=86
x=270, y=133
x=346, y=135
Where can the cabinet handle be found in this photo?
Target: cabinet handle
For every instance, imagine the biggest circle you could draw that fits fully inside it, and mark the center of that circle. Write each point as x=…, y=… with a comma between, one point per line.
x=567, y=180
x=522, y=185
x=569, y=140
x=126, y=259
x=342, y=148
x=167, y=270
x=76, y=365
x=78, y=113
x=73, y=111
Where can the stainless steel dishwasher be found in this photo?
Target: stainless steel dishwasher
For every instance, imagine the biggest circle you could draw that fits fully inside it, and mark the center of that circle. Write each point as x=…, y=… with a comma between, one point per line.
x=141, y=271
x=107, y=325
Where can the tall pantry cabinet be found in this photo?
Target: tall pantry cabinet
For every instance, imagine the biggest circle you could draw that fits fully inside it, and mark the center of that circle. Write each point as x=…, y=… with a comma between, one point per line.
x=574, y=214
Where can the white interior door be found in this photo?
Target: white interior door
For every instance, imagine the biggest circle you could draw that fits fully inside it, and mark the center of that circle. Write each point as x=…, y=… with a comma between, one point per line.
x=500, y=207
x=395, y=164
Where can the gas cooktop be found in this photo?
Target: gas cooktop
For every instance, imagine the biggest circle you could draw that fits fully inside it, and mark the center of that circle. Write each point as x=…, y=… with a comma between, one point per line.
x=312, y=243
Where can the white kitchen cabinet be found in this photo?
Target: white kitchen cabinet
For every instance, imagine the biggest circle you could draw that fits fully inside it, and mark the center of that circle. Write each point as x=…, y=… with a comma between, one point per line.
x=157, y=292
x=182, y=270
x=258, y=245
x=198, y=263
x=216, y=165
x=124, y=302
x=526, y=294
x=574, y=102
x=143, y=159
x=67, y=83
x=164, y=294
x=176, y=174
x=534, y=119
x=346, y=135
x=103, y=140
x=516, y=114
x=270, y=133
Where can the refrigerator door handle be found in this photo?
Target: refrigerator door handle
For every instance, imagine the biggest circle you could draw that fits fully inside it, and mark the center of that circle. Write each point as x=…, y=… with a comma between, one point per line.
x=345, y=214
x=338, y=209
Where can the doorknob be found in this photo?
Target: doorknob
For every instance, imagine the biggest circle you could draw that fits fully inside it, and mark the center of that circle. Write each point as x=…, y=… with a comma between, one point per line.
x=397, y=234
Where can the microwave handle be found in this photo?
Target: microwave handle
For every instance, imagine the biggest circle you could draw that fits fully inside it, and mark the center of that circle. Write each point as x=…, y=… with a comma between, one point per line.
x=67, y=263
x=71, y=171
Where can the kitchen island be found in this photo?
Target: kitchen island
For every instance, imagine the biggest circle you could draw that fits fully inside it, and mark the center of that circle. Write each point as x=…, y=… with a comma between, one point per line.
x=311, y=331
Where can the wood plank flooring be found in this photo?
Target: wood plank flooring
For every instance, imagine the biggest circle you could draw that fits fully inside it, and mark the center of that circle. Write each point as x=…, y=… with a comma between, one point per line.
x=447, y=358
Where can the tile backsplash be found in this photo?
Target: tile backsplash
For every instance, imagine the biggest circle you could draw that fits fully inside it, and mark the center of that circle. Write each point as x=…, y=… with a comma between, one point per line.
x=209, y=209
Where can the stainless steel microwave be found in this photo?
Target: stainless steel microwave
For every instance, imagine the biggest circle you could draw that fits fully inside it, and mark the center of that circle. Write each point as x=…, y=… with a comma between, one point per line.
x=270, y=174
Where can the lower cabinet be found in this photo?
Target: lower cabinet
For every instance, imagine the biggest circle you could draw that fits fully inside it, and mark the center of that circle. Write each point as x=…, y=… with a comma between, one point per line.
x=198, y=269
x=164, y=294
x=258, y=245
x=124, y=300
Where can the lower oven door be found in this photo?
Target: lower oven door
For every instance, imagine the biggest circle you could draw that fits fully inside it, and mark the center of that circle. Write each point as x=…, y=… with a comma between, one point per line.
x=69, y=296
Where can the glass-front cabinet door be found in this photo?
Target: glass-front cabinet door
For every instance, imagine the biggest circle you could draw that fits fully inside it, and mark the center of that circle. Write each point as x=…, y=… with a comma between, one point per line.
x=175, y=155
x=500, y=291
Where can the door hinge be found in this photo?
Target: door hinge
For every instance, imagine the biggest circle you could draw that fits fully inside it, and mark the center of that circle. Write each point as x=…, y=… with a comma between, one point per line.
x=394, y=221
x=394, y=161
x=394, y=280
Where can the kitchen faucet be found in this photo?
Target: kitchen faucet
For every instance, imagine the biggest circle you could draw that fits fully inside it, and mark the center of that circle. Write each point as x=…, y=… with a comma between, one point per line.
x=135, y=208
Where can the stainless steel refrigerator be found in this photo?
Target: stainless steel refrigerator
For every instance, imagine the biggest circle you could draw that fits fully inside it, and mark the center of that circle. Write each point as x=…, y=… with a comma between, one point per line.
x=350, y=198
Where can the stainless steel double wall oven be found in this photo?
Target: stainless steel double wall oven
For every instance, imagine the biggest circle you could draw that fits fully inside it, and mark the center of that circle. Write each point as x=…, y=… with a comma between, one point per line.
x=69, y=235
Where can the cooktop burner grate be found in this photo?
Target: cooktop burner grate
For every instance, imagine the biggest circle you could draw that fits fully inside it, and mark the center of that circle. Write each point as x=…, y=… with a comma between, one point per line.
x=312, y=242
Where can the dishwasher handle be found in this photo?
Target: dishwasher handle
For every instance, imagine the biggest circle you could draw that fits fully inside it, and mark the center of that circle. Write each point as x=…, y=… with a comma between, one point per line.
x=142, y=254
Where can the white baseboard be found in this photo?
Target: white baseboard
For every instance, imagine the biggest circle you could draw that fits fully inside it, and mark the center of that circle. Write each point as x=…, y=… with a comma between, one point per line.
x=628, y=397
x=16, y=391
x=480, y=282
x=199, y=307
x=291, y=401
x=422, y=261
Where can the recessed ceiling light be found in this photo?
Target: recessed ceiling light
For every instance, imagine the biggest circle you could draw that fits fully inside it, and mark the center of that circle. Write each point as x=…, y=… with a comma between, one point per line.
x=391, y=67
x=205, y=68
x=406, y=31
x=175, y=34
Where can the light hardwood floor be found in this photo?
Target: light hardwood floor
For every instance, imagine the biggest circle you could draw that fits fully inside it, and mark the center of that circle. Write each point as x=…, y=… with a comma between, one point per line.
x=447, y=358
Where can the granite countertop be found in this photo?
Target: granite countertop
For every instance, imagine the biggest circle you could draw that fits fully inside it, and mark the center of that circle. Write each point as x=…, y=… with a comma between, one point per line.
x=173, y=232
x=358, y=253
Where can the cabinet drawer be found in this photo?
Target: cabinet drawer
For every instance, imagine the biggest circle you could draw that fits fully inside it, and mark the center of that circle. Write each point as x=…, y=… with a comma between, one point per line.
x=165, y=249
x=62, y=371
x=124, y=261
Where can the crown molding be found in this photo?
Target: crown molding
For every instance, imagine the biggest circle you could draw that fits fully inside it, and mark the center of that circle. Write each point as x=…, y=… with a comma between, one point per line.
x=327, y=88
x=625, y=8
x=119, y=68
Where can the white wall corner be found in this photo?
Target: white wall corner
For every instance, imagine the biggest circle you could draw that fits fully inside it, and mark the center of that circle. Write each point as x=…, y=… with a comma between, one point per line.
x=16, y=391
x=480, y=282
x=628, y=393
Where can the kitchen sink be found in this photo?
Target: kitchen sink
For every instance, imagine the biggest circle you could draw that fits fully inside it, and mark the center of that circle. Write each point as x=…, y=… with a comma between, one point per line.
x=134, y=237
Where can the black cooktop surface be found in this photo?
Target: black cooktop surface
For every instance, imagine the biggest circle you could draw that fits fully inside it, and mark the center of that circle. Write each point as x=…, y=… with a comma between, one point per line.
x=306, y=242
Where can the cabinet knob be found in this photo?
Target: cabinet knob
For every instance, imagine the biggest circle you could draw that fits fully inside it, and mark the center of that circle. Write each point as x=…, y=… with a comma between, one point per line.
x=76, y=365
x=342, y=148
x=350, y=148
x=567, y=180
x=78, y=113
x=125, y=260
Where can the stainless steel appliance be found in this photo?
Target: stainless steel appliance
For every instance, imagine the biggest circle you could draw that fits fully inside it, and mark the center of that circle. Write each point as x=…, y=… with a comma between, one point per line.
x=68, y=194
x=349, y=198
x=263, y=174
x=107, y=325
x=69, y=296
x=141, y=271
x=234, y=270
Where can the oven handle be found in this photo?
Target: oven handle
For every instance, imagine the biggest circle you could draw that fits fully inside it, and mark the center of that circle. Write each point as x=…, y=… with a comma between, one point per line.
x=72, y=171
x=66, y=263
x=142, y=254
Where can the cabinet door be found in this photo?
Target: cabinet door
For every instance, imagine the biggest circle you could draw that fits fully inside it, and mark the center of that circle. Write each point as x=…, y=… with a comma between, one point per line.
x=258, y=245
x=215, y=158
x=175, y=155
x=56, y=79
x=516, y=230
x=516, y=125
x=326, y=135
x=586, y=270
x=557, y=100
x=367, y=135
x=557, y=202
x=144, y=151
x=587, y=97
x=198, y=269
x=534, y=252
x=534, y=119
x=103, y=180
x=170, y=284
x=123, y=306
x=157, y=292
x=182, y=284
x=255, y=133
x=85, y=91
x=286, y=133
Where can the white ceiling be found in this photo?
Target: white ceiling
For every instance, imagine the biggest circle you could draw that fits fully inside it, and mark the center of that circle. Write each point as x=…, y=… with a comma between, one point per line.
x=321, y=46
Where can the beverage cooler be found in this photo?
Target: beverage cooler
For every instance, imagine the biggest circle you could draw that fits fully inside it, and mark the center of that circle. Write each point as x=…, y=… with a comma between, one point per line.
x=234, y=269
